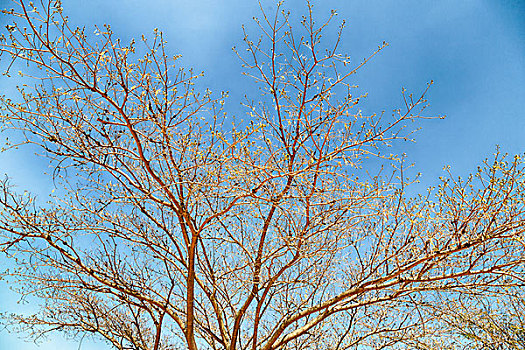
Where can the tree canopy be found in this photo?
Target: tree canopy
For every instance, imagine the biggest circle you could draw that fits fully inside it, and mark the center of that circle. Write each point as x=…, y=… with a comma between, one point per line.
x=176, y=225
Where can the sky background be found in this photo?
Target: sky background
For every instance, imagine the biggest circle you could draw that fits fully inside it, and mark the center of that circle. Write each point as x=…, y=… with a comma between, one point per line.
x=473, y=50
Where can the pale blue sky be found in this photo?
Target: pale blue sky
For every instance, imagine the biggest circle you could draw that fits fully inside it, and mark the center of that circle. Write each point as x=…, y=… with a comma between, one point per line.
x=474, y=50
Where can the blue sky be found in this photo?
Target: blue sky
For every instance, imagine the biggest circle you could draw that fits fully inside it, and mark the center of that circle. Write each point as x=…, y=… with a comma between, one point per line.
x=473, y=50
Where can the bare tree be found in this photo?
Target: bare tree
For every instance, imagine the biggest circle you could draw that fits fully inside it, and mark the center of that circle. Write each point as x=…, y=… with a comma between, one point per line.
x=175, y=227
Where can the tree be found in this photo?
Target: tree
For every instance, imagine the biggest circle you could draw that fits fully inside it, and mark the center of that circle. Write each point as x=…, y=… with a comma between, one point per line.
x=175, y=226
